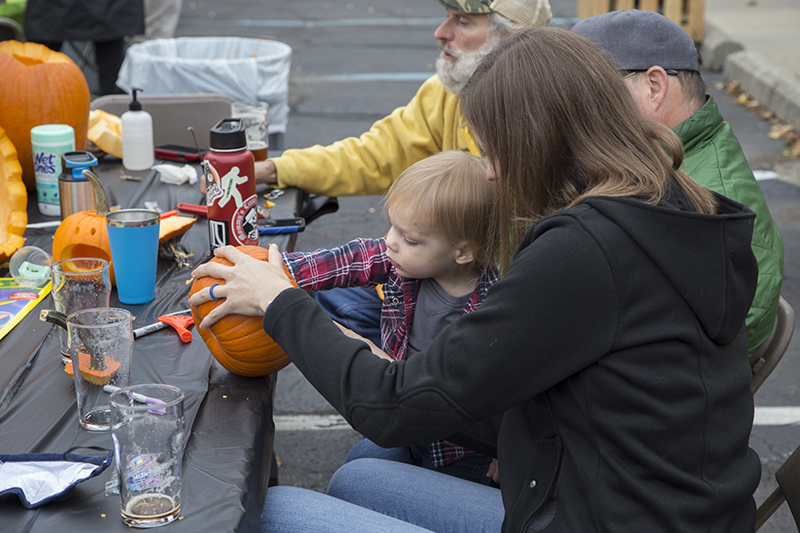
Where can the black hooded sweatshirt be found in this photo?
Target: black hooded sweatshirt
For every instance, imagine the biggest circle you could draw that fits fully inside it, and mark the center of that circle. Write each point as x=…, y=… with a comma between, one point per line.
x=608, y=367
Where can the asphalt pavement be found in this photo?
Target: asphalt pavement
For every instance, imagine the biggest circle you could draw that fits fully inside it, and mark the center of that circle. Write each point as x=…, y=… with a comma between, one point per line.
x=354, y=62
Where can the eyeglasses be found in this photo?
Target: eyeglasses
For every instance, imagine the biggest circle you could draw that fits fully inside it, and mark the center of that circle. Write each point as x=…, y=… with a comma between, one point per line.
x=629, y=73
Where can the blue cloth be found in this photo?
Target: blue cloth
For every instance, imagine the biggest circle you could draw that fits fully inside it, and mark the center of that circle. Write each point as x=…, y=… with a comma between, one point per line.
x=362, y=492
x=40, y=478
x=356, y=308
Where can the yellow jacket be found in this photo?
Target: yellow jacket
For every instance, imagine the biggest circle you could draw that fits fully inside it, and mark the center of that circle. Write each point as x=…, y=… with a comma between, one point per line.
x=431, y=122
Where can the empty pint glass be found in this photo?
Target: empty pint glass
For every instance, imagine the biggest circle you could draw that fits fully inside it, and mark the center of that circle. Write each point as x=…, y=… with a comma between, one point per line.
x=149, y=433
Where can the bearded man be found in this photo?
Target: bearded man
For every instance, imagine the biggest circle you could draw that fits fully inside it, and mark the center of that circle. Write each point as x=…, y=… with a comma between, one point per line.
x=430, y=123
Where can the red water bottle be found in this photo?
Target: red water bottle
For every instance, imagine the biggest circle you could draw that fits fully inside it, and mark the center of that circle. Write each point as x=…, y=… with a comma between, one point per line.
x=230, y=186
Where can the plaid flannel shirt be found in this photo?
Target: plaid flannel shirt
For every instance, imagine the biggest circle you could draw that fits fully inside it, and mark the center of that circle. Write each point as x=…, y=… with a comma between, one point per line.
x=363, y=263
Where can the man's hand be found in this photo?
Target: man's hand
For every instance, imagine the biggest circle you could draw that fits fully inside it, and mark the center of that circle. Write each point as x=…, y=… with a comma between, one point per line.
x=266, y=172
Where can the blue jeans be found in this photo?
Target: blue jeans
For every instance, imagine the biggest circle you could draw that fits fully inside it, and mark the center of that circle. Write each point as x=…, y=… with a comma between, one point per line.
x=356, y=308
x=472, y=468
x=362, y=493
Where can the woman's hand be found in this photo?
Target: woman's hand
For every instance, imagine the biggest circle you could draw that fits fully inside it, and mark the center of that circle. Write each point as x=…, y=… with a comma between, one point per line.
x=250, y=284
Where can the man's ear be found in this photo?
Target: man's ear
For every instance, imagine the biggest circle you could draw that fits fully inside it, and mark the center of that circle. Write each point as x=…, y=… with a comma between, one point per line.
x=656, y=81
x=464, y=254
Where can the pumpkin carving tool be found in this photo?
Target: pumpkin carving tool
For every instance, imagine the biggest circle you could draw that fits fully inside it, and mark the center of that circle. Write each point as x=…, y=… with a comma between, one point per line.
x=96, y=367
x=180, y=323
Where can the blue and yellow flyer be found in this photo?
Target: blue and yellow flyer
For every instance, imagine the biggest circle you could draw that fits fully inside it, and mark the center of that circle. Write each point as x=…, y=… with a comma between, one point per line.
x=17, y=301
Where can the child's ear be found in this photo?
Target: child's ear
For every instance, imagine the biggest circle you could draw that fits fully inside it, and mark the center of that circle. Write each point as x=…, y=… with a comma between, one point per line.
x=464, y=254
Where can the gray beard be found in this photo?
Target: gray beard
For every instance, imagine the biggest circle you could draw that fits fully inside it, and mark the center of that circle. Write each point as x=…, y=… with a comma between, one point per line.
x=454, y=75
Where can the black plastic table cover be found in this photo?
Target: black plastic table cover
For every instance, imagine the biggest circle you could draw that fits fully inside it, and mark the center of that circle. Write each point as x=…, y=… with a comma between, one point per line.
x=226, y=465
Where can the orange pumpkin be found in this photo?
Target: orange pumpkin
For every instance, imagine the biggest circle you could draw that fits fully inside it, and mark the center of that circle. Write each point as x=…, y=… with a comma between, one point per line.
x=39, y=86
x=174, y=226
x=105, y=130
x=13, y=200
x=84, y=234
x=239, y=342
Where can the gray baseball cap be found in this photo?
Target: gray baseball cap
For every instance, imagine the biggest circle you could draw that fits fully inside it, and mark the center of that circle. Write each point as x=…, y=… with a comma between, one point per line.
x=638, y=40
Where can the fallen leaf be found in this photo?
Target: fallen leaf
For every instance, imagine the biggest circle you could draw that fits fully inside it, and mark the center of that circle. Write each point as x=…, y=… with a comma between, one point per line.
x=778, y=131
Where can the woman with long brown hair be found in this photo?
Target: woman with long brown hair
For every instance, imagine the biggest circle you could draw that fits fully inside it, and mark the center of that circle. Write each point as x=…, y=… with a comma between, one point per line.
x=606, y=370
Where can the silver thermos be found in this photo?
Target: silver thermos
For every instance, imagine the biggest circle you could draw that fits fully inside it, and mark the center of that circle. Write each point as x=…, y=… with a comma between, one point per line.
x=74, y=190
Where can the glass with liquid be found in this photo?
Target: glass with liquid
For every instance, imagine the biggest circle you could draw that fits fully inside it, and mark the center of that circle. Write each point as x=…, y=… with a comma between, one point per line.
x=149, y=433
x=255, y=116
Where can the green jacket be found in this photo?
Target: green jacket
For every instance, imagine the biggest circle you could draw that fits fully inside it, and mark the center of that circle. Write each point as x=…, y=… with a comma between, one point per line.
x=714, y=158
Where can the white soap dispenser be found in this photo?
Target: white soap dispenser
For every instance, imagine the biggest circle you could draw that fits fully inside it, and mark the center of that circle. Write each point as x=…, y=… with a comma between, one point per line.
x=137, y=136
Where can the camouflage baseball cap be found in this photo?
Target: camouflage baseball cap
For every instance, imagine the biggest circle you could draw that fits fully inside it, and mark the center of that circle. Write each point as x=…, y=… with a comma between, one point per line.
x=523, y=12
x=467, y=6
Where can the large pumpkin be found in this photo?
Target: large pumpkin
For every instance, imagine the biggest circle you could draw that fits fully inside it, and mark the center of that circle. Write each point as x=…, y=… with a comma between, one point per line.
x=239, y=342
x=13, y=200
x=40, y=86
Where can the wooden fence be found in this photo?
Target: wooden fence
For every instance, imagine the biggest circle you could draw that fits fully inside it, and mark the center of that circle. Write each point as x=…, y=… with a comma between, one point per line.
x=689, y=14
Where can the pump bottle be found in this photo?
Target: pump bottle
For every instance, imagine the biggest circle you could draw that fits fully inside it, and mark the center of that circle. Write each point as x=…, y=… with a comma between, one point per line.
x=137, y=136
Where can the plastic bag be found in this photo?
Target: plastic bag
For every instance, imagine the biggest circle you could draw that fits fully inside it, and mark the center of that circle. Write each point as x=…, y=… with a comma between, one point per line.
x=248, y=70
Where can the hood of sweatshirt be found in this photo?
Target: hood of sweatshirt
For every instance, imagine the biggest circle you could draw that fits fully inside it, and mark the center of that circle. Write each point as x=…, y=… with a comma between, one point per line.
x=717, y=271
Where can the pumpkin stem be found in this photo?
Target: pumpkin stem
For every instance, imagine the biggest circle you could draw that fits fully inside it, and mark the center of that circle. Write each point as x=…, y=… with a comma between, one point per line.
x=58, y=318
x=100, y=196
x=54, y=317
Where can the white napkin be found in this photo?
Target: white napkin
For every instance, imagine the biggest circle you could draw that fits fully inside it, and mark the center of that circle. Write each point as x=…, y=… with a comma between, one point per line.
x=177, y=175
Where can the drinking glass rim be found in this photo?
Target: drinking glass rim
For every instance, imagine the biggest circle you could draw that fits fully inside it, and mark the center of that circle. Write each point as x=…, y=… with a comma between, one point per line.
x=122, y=315
x=132, y=405
x=104, y=264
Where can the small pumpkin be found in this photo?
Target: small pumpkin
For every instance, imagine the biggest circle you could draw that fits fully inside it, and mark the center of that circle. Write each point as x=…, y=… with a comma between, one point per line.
x=84, y=234
x=40, y=86
x=13, y=200
x=239, y=343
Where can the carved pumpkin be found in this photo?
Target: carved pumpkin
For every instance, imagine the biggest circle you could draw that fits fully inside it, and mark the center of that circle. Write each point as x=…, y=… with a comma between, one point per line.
x=39, y=86
x=239, y=342
x=84, y=234
x=13, y=200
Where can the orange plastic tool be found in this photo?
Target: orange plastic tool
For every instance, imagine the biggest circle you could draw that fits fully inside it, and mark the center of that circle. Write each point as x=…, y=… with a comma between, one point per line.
x=180, y=323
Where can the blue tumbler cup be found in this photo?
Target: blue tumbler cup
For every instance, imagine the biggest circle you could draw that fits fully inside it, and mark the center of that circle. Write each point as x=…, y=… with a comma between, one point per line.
x=133, y=238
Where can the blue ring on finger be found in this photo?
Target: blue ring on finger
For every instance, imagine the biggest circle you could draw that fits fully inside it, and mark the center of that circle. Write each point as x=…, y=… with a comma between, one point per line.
x=211, y=291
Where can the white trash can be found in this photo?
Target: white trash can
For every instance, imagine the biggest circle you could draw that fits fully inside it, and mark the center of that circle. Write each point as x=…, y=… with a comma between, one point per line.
x=248, y=70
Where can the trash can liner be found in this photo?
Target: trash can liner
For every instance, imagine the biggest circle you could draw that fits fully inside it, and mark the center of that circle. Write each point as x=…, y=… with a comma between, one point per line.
x=248, y=70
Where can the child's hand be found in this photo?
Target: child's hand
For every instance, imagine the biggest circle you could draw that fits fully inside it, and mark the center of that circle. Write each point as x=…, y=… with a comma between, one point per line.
x=494, y=471
x=353, y=335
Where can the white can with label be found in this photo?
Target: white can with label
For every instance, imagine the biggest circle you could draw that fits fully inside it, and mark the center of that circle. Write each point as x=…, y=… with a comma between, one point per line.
x=48, y=142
